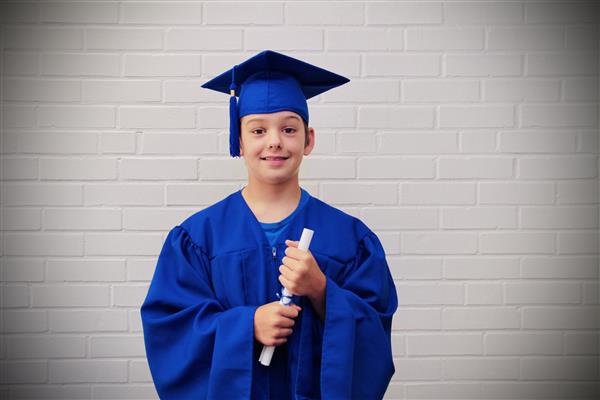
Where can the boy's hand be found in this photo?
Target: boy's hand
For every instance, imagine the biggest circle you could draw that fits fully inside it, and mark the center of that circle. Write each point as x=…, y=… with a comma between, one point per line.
x=300, y=273
x=273, y=323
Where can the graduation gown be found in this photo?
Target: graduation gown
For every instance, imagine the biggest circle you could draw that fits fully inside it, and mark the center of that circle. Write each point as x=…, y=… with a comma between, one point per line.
x=217, y=267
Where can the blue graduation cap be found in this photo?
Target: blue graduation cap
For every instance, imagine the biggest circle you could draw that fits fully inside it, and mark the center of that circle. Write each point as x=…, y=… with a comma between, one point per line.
x=269, y=82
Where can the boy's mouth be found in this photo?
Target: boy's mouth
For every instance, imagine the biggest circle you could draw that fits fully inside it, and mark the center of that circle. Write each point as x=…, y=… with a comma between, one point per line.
x=274, y=158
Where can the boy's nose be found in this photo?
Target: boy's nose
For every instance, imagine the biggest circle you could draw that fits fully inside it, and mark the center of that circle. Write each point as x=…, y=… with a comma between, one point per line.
x=274, y=140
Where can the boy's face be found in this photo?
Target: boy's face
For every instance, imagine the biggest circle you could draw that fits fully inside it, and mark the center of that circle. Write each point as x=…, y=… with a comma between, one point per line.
x=273, y=145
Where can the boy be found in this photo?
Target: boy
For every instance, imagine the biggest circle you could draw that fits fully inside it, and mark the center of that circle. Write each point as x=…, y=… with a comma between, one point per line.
x=212, y=304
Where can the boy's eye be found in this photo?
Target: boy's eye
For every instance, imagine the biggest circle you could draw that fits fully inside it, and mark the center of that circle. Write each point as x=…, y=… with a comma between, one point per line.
x=258, y=131
x=289, y=130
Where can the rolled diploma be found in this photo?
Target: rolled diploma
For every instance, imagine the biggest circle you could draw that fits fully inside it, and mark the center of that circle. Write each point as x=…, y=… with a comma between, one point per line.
x=267, y=351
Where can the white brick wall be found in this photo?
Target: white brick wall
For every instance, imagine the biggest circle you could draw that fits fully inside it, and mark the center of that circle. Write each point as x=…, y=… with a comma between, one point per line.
x=467, y=139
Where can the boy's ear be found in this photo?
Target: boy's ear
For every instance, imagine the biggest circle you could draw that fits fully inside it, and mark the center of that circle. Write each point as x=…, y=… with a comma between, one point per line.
x=311, y=141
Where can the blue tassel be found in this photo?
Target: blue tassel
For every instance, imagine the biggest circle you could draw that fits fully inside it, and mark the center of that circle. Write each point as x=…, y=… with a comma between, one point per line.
x=234, y=128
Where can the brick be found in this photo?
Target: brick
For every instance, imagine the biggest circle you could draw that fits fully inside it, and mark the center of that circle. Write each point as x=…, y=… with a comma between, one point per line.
x=292, y=39
x=364, y=91
x=388, y=13
x=175, y=143
x=107, y=91
x=13, y=12
x=437, y=193
x=444, y=344
x=516, y=193
x=71, y=296
x=401, y=65
x=52, y=143
x=418, y=368
x=523, y=343
x=481, y=268
x=241, y=13
x=123, y=39
x=58, y=64
x=561, y=12
x=587, y=141
x=520, y=90
x=26, y=219
x=226, y=168
x=559, y=217
x=324, y=168
x=439, y=243
x=213, y=117
x=197, y=194
x=476, y=116
x=475, y=168
x=117, y=346
x=76, y=270
x=161, y=65
x=418, y=143
x=583, y=343
x=46, y=347
x=430, y=293
x=571, y=318
x=516, y=243
x=158, y=169
x=581, y=37
x=76, y=116
x=361, y=142
x=18, y=194
x=93, y=321
x=123, y=194
x=19, y=168
x=484, y=294
x=396, y=117
x=364, y=39
x=125, y=391
x=481, y=318
x=418, y=318
x=85, y=371
x=157, y=117
x=129, y=244
x=140, y=270
x=560, y=368
x=161, y=13
x=537, y=142
x=22, y=270
x=15, y=296
x=415, y=267
x=480, y=368
x=129, y=296
x=468, y=38
x=543, y=293
x=21, y=321
x=560, y=267
x=578, y=243
x=398, y=344
x=400, y=218
x=591, y=293
x=79, y=13
x=496, y=12
x=558, y=115
x=395, y=167
x=479, y=218
x=83, y=168
x=117, y=143
x=481, y=141
x=43, y=38
x=20, y=63
x=324, y=13
x=526, y=38
x=440, y=90
x=15, y=116
x=561, y=64
x=148, y=219
x=15, y=372
x=204, y=39
x=41, y=90
x=580, y=89
x=484, y=65
x=139, y=371
x=360, y=193
x=48, y=391
x=444, y=390
x=557, y=167
x=43, y=244
x=81, y=219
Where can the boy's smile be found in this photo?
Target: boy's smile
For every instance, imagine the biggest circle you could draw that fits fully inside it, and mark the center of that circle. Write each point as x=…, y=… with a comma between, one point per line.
x=273, y=145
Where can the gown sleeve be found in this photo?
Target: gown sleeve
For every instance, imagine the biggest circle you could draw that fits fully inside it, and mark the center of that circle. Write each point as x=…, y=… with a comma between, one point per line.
x=357, y=358
x=196, y=349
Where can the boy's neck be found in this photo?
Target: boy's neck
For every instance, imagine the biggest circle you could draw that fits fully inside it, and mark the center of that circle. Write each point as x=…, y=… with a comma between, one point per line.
x=272, y=203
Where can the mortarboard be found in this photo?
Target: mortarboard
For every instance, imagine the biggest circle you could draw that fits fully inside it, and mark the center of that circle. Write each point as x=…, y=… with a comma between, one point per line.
x=269, y=82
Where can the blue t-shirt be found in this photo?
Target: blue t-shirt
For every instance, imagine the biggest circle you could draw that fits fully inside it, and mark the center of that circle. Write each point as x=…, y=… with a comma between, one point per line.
x=273, y=229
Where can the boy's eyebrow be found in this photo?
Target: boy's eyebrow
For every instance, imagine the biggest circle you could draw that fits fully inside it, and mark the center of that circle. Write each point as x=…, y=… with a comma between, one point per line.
x=262, y=119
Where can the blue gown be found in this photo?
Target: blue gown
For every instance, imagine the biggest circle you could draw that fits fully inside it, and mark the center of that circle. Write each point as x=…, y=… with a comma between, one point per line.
x=217, y=267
